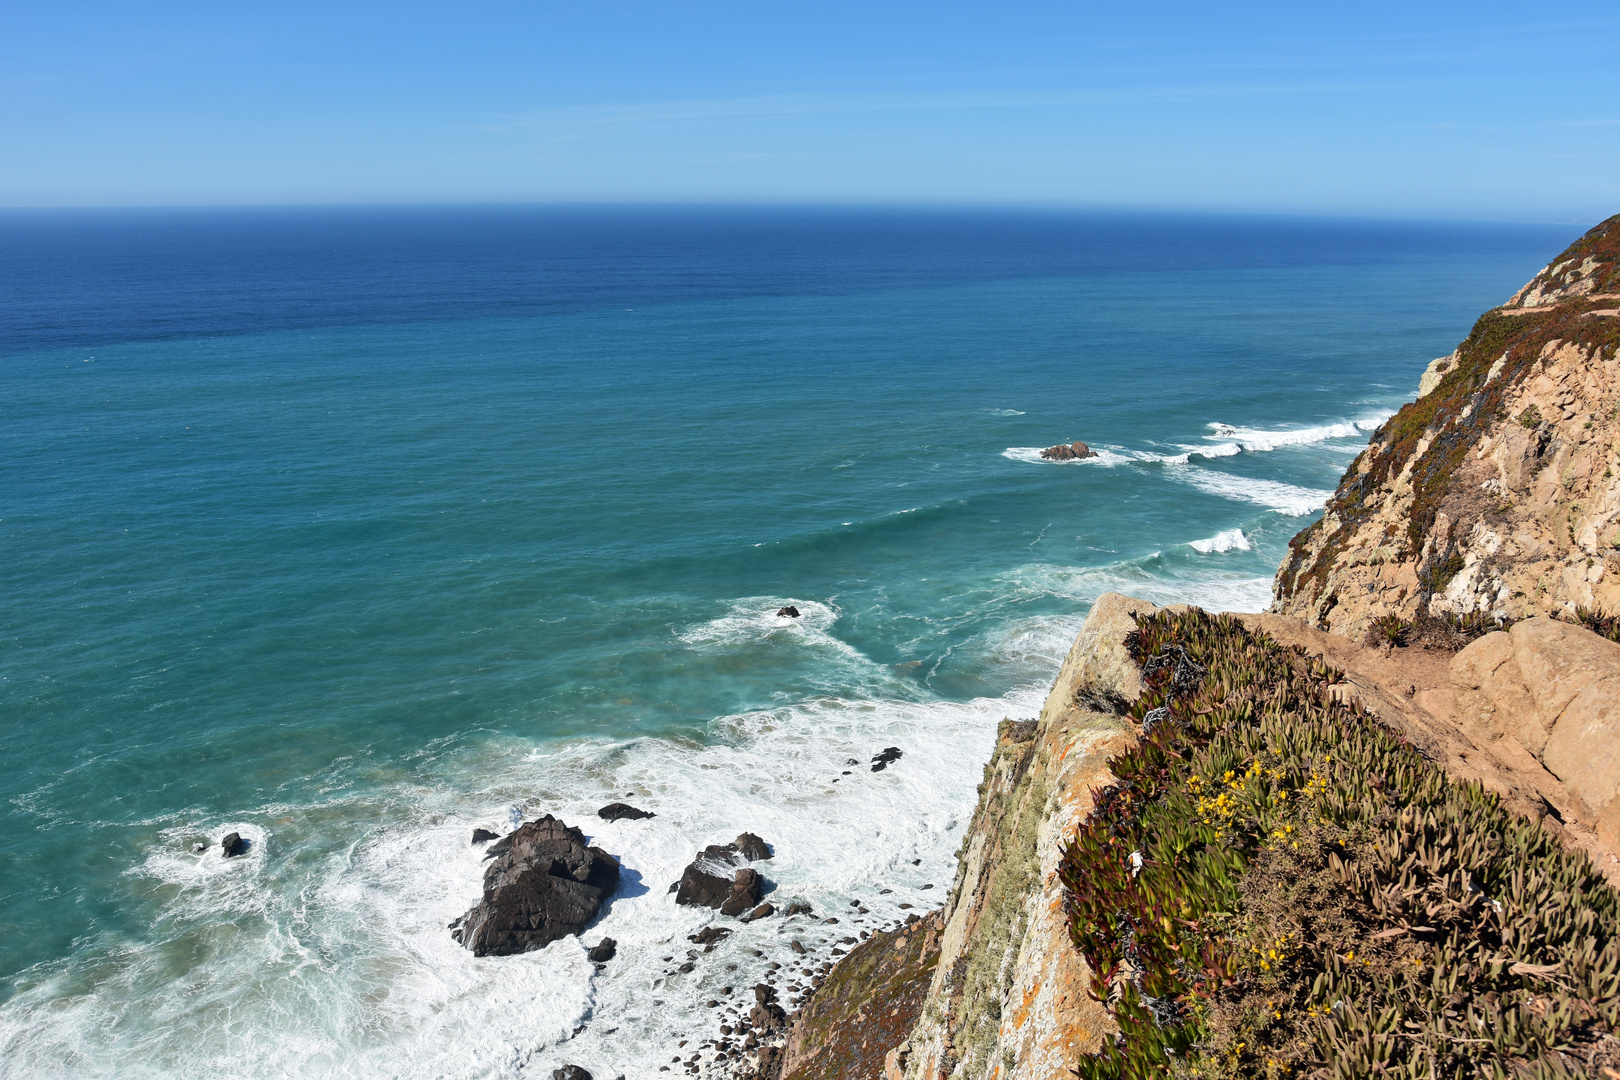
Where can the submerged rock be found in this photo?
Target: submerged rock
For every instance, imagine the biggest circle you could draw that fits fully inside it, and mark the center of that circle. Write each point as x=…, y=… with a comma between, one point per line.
x=545, y=883
x=1074, y=451
x=886, y=757
x=619, y=811
x=481, y=836
x=233, y=844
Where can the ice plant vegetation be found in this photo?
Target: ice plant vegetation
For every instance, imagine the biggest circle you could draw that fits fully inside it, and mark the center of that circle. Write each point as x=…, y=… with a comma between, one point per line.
x=1310, y=897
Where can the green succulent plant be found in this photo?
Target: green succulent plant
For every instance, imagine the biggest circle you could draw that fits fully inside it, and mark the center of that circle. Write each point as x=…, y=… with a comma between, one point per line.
x=1277, y=884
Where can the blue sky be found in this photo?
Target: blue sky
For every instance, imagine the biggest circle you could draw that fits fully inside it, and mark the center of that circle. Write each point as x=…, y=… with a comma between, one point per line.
x=1480, y=110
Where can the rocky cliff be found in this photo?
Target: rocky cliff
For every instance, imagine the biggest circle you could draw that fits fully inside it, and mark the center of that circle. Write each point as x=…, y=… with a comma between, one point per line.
x=993, y=987
x=1496, y=490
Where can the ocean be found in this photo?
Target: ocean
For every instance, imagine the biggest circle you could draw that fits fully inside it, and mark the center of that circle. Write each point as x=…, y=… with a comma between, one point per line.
x=351, y=530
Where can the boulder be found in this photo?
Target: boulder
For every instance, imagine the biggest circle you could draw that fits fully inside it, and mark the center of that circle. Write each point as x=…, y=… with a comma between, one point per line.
x=718, y=877
x=699, y=888
x=483, y=836
x=603, y=951
x=619, y=811
x=746, y=888
x=233, y=844
x=751, y=847
x=1555, y=688
x=764, y=911
x=886, y=757
x=1074, y=451
x=789, y=612
x=570, y=1072
x=544, y=883
x=766, y=1015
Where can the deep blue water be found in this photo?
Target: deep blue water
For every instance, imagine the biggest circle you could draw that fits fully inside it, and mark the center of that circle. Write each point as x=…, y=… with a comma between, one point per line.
x=353, y=529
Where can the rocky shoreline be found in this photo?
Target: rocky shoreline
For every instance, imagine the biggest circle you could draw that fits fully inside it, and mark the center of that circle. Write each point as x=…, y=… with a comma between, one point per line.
x=1497, y=713
x=1008, y=995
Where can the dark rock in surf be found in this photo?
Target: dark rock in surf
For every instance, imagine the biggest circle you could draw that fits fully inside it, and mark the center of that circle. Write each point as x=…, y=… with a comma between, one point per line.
x=698, y=888
x=709, y=935
x=200, y=846
x=746, y=888
x=888, y=756
x=789, y=612
x=481, y=836
x=233, y=844
x=718, y=877
x=751, y=847
x=603, y=951
x=545, y=883
x=1075, y=451
x=798, y=907
x=570, y=1072
x=766, y=1015
x=619, y=811
x=764, y=911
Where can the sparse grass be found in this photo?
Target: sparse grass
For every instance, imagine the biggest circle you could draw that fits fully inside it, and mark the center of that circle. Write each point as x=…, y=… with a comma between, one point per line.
x=1277, y=885
x=1604, y=626
x=1389, y=631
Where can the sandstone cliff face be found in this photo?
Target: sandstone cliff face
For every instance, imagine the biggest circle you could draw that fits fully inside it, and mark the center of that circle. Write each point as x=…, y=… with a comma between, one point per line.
x=1008, y=998
x=1498, y=489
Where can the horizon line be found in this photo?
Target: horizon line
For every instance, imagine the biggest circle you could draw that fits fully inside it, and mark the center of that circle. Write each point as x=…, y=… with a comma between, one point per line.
x=917, y=205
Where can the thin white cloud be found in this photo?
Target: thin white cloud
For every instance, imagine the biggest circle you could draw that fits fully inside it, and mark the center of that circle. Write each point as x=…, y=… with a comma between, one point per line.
x=663, y=112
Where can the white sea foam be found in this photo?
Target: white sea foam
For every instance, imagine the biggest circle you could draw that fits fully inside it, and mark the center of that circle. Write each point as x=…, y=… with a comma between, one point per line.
x=1228, y=540
x=1258, y=440
x=1224, y=592
x=312, y=956
x=1005, y=412
x=324, y=951
x=755, y=618
x=1287, y=499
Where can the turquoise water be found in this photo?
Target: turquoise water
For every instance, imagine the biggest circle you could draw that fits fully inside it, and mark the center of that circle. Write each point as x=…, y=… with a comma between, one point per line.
x=353, y=532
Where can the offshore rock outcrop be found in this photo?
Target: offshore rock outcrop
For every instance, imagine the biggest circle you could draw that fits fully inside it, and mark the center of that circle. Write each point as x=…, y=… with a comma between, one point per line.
x=545, y=883
x=1498, y=489
x=1075, y=451
x=721, y=878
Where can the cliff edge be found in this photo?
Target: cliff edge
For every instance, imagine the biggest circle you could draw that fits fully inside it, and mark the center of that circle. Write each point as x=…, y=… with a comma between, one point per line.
x=1258, y=844
x=1496, y=491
